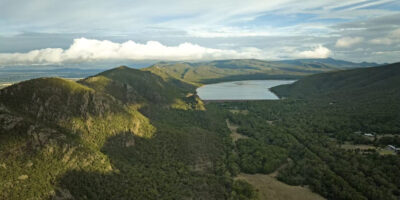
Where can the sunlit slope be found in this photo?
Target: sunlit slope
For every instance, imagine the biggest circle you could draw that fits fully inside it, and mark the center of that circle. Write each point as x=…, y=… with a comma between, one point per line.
x=49, y=126
x=249, y=69
x=132, y=86
x=71, y=106
x=65, y=139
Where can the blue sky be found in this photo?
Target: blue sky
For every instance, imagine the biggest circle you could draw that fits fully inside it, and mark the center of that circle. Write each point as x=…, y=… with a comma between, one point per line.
x=40, y=32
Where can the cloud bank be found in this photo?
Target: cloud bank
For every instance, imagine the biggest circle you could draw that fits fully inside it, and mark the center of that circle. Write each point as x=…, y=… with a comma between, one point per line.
x=86, y=50
x=318, y=52
x=347, y=42
x=392, y=38
x=268, y=27
x=89, y=50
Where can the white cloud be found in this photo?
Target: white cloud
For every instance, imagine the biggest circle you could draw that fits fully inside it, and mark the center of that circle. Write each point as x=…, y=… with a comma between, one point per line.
x=90, y=50
x=86, y=50
x=383, y=41
x=318, y=52
x=391, y=38
x=346, y=42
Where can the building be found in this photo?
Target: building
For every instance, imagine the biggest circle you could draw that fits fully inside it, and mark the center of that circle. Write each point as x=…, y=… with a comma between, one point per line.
x=391, y=147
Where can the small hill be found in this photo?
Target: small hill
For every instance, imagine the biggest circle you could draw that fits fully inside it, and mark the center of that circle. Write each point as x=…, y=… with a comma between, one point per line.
x=136, y=86
x=369, y=83
x=70, y=107
x=365, y=98
x=151, y=132
x=249, y=69
x=51, y=99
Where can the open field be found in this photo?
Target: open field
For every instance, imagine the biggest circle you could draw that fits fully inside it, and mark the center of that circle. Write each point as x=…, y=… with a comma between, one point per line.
x=381, y=151
x=234, y=134
x=271, y=189
x=357, y=146
x=267, y=184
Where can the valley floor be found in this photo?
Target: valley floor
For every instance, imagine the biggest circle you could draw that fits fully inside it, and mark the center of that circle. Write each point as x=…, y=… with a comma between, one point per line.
x=269, y=188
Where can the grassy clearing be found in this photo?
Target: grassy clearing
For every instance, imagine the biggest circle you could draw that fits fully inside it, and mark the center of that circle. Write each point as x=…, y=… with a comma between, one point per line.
x=363, y=147
x=234, y=134
x=386, y=152
x=270, y=188
x=236, y=111
x=267, y=185
x=349, y=146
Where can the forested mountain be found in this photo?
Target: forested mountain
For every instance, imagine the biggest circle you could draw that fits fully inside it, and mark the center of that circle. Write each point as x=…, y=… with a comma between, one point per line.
x=145, y=134
x=336, y=127
x=370, y=96
x=122, y=134
x=250, y=69
x=383, y=81
x=137, y=86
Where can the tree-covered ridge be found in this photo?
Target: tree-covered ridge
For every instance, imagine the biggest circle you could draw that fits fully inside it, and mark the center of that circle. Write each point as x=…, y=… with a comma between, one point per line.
x=117, y=136
x=137, y=86
x=349, y=84
x=249, y=69
x=312, y=134
x=122, y=134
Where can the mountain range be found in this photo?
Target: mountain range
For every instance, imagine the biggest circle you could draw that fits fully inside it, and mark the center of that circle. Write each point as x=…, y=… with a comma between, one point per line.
x=205, y=72
x=250, y=69
x=144, y=134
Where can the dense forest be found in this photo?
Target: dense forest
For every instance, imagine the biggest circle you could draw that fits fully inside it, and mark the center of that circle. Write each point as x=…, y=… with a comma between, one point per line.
x=307, y=137
x=323, y=114
x=122, y=134
x=133, y=134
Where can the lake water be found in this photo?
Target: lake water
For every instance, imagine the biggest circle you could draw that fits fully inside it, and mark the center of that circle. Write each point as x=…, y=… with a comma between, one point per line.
x=241, y=90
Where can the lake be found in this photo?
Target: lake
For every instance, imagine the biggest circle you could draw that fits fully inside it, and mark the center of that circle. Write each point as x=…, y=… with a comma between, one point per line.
x=241, y=90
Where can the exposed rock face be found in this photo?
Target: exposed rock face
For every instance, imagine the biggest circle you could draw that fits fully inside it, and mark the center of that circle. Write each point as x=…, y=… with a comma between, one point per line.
x=62, y=194
x=29, y=164
x=55, y=102
x=37, y=135
x=23, y=177
x=29, y=107
x=130, y=141
x=122, y=140
x=8, y=121
x=4, y=166
x=41, y=136
x=126, y=140
x=68, y=154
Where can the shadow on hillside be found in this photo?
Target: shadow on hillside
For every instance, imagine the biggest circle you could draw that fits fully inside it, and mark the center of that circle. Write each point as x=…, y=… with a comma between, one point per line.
x=158, y=168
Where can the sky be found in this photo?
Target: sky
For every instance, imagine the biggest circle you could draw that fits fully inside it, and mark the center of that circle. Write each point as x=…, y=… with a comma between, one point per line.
x=60, y=32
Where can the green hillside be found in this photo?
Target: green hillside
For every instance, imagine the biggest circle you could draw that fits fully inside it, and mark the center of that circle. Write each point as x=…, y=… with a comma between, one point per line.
x=249, y=69
x=335, y=127
x=357, y=83
x=140, y=134
x=122, y=134
x=132, y=86
x=367, y=98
